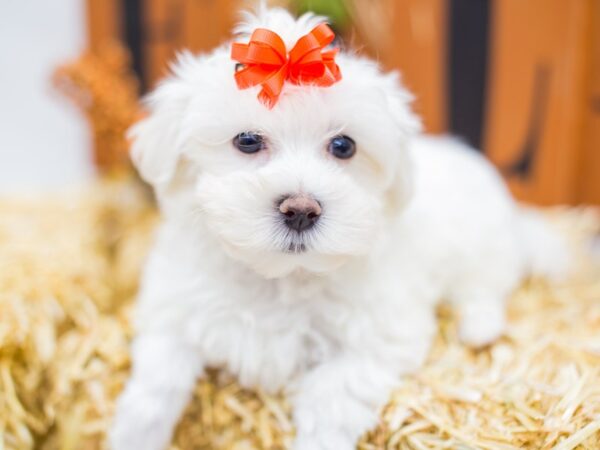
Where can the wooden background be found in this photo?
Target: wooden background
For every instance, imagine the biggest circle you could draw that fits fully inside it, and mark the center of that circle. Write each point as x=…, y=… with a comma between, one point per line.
x=539, y=118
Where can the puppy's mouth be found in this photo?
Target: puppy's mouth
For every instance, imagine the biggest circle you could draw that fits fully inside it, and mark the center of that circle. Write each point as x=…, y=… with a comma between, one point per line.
x=296, y=243
x=296, y=247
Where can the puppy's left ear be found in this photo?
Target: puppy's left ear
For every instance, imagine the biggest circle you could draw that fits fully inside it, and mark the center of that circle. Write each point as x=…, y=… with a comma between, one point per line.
x=157, y=139
x=407, y=125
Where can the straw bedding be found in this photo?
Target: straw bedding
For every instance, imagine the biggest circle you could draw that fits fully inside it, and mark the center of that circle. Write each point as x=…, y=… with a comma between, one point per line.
x=68, y=272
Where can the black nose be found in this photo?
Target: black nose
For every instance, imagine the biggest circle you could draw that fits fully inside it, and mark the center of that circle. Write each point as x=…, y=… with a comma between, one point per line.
x=300, y=212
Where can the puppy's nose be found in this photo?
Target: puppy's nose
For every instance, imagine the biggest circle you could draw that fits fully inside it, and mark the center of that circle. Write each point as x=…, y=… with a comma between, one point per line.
x=301, y=212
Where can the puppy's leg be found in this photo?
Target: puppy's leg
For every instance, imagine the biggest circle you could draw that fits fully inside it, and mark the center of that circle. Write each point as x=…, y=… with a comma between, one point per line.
x=482, y=316
x=164, y=372
x=486, y=277
x=338, y=401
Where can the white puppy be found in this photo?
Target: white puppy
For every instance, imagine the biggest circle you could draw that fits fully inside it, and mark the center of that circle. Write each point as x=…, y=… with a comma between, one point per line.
x=303, y=248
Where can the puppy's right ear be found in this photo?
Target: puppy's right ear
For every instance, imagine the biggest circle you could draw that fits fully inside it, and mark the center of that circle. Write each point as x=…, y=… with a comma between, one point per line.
x=157, y=139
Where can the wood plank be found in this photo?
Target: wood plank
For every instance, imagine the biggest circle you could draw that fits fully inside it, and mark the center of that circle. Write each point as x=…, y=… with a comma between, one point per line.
x=409, y=35
x=103, y=21
x=590, y=168
x=539, y=50
x=207, y=24
x=175, y=25
x=163, y=22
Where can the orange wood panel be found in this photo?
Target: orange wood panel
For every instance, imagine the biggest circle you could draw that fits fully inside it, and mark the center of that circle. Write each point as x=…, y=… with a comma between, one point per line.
x=410, y=35
x=168, y=26
x=103, y=21
x=175, y=25
x=207, y=24
x=590, y=168
x=163, y=22
x=539, y=45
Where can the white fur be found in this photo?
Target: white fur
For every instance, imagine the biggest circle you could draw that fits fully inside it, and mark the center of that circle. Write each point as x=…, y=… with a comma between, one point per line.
x=408, y=221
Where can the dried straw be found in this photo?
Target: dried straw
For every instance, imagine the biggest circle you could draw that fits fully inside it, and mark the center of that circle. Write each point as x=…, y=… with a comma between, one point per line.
x=68, y=272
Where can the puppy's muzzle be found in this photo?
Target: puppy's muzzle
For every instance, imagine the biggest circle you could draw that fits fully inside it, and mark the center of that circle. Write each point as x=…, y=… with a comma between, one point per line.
x=300, y=212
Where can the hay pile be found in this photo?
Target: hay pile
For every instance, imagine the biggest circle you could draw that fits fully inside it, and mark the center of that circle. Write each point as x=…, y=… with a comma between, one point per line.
x=68, y=271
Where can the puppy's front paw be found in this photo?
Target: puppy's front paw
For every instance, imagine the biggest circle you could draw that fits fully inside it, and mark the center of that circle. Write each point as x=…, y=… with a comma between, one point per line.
x=481, y=325
x=332, y=423
x=323, y=440
x=139, y=425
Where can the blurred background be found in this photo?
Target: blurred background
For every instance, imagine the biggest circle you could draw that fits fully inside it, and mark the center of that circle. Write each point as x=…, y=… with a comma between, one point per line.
x=518, y=79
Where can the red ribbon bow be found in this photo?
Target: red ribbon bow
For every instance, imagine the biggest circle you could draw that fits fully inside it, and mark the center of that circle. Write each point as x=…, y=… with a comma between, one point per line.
x=267, y=63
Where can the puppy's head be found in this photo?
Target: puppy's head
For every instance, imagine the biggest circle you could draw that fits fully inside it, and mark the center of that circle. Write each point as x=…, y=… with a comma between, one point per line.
x=307, y=184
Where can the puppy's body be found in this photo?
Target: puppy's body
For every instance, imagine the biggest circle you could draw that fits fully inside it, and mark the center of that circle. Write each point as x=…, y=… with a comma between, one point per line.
x=336, y=325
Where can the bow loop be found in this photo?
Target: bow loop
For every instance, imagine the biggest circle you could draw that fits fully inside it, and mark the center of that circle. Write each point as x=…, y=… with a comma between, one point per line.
x=267, y=63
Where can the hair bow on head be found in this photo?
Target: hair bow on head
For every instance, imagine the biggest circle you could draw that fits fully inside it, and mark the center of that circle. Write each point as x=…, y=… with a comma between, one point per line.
x=266, y=62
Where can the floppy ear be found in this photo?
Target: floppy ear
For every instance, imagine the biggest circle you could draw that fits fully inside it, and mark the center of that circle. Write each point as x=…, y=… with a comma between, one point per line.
x=408, y=125
x=157, y=139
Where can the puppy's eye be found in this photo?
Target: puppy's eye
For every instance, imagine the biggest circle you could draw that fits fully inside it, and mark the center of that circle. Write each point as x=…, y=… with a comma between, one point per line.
x=342, y=147
x=248, y=142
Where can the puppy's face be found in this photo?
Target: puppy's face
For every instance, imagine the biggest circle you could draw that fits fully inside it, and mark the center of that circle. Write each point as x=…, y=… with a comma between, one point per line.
x=307, y=184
